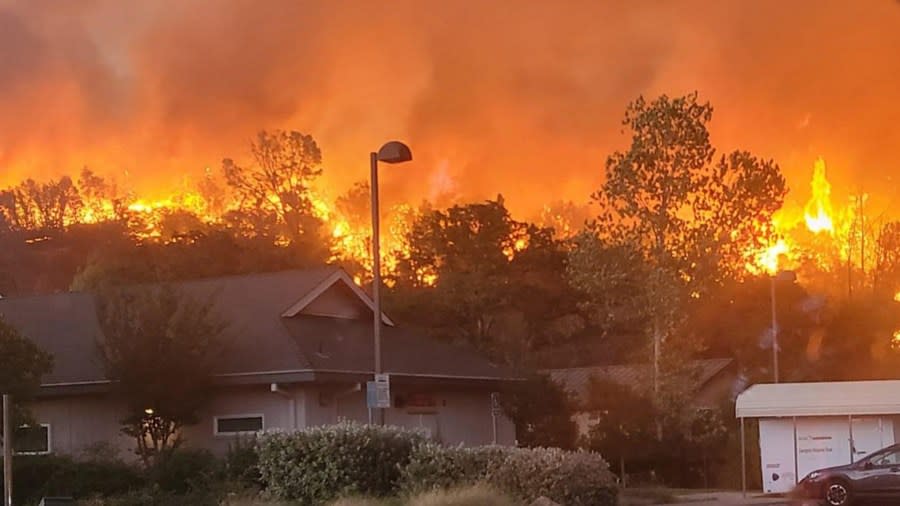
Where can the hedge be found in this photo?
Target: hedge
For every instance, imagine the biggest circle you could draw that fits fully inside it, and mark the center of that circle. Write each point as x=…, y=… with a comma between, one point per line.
x=321, y=464
x=577, y=478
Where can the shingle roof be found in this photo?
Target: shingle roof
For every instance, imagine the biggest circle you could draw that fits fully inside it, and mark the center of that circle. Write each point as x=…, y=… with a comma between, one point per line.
x=577, y=380
x=346, y=345
x=259, y=339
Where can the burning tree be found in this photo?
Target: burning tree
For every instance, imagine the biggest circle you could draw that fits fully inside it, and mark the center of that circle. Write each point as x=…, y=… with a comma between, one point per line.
x=273, y=195
x=690, y=216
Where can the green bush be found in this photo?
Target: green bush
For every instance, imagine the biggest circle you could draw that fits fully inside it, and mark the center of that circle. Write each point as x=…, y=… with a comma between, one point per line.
x=37, y=476
x=320, y=464
x=185, y=470
x=155, y=497
x=433, y=466
x=478, y=495
x=576, y=478
x=242, y=464
x=570, y=478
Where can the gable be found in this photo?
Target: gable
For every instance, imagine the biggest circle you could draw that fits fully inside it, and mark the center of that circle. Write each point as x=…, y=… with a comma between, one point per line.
x=338, y=301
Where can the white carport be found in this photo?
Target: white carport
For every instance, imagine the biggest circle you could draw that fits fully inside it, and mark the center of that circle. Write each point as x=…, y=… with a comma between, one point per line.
x=806, y=426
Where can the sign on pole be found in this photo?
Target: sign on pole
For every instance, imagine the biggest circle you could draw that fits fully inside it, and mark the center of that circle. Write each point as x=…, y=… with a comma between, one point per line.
x=495, y=412
x=378, y=392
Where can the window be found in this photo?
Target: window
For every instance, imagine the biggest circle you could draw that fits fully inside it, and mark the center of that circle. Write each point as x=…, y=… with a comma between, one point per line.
x=887, y=459
x=32, y=440
x=238, y=424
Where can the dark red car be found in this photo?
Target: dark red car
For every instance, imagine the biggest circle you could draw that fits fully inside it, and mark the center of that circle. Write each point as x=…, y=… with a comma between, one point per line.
x=872, y=480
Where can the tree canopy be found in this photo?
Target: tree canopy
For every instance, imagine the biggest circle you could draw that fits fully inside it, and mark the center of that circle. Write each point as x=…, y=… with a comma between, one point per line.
x=160, y=347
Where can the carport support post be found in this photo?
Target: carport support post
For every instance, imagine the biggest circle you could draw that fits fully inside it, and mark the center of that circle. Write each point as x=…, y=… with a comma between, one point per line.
x=7, y=453
x=743, y=461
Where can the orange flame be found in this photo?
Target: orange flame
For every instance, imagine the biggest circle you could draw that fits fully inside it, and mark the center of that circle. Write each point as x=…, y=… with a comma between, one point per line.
x=818, y=211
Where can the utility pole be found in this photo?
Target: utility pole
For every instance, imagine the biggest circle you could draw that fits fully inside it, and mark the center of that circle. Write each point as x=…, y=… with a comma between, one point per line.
x=7, y=452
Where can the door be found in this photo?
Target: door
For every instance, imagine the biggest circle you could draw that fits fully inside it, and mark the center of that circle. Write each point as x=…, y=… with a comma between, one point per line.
x=869, y=436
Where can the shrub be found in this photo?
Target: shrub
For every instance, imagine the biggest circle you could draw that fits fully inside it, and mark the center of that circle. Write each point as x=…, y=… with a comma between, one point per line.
x=478, y=495
x=570, y=478
x=155, y=497
x=576, y=478
x=37, y=476
x=319, y=464
x=185, y=470
x=242, y=464
x=432, y=466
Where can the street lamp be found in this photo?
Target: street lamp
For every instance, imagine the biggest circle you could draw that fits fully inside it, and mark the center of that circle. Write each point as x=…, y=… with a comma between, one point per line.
x=391, y=152
x=781, y=276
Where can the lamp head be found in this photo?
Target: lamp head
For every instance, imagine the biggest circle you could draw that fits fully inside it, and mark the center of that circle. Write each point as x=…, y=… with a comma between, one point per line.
x=394, y=152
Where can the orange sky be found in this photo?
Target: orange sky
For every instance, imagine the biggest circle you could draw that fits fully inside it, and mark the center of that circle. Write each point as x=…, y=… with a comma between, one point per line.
x=522, y=97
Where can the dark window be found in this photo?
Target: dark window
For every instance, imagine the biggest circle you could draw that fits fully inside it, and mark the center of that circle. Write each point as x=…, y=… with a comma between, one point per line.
x=32, y=439
x=235, y=424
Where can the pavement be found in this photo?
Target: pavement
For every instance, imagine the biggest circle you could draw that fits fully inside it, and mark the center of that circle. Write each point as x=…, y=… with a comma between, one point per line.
x=722, y=498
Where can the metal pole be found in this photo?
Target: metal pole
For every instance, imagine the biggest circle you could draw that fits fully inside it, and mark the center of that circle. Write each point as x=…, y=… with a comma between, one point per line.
x=774, y=334
x=376, y=270
x=852, y=444
x=7, y=453
x=743, y=461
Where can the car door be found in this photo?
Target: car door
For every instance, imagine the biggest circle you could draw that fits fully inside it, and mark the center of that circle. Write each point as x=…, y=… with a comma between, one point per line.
x=890, y=466
x=879, y=477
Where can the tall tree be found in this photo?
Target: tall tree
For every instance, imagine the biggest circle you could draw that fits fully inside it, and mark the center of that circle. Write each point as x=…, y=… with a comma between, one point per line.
x=160, y=347
x=691, y=216
x=24, y=363
x=473, y=273
x=47, y=206
x=274, y=193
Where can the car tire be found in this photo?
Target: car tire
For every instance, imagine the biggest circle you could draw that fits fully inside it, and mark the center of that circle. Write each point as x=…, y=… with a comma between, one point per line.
x=838, y=493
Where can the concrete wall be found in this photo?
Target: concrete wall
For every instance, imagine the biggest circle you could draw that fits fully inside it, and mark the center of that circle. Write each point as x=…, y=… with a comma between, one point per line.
x=458, y=417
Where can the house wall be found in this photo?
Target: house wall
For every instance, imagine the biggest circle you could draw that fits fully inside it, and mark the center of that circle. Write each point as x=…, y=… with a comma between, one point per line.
x=459, y=416
x=79, y=423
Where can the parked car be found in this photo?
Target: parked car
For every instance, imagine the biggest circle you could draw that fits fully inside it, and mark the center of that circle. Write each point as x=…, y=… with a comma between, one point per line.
x=874, y=479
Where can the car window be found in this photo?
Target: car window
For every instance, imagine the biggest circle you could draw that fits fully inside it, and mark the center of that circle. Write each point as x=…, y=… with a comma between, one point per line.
x=888, y=459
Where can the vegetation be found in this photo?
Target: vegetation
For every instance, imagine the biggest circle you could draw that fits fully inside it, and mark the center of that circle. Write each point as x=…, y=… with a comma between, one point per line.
x=567, y=477
x=160, y=347
x=659, y=275
x=24, y=363
x=320, y=464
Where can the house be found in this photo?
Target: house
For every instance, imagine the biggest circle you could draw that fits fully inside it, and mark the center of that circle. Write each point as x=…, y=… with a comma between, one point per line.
x=711, y=381
x=299, y=354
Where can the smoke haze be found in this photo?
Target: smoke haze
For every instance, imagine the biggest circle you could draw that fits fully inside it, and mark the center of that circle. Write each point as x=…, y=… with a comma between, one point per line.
x=522, y=97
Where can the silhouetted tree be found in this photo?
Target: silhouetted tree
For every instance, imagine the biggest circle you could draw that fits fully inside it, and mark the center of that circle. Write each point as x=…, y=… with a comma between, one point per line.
x=159, y=346
x=274, y=193
x=542, y=412
x=24, y=363
x=690, y=217
x=474, y=274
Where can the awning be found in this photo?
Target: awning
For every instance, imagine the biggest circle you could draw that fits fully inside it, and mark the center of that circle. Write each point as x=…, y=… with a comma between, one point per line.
x=819, y=399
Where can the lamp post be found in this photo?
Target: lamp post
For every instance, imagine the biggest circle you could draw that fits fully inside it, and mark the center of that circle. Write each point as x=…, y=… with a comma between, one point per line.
x=391, y=152
x=781, y=276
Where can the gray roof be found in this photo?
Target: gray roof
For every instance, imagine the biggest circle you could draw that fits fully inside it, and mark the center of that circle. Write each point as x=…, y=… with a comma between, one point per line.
x=577, y=380
x=260, y=342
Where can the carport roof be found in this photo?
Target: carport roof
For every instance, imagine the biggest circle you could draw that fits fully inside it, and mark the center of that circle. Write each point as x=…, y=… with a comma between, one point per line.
x=819, y=399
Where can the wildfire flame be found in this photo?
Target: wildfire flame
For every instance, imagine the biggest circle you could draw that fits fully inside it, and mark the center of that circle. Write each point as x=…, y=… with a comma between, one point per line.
x=818, y=212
